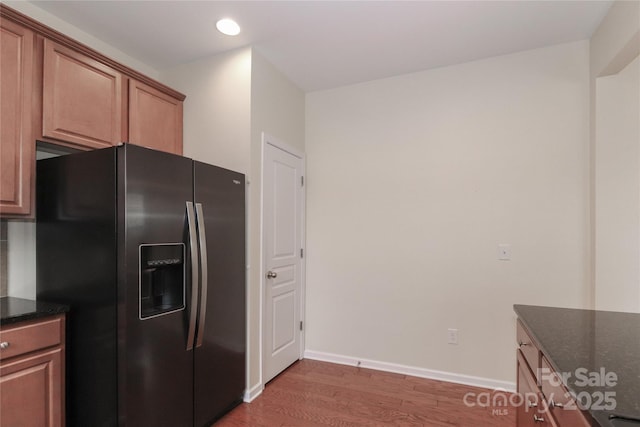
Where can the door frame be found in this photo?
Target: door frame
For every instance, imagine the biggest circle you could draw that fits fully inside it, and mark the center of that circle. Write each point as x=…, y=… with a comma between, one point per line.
x=277, y=143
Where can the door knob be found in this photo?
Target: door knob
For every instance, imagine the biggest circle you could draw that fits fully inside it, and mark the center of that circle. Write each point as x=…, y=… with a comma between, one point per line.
x=272, y=275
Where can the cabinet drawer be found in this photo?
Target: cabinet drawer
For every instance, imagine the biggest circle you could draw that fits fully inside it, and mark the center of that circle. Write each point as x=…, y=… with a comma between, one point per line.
x=528, y=348
x=28, y=337
x=560, y=403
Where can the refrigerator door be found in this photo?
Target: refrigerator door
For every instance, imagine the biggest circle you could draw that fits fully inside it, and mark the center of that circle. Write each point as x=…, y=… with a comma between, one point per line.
x=219, y=371
x=156, y=370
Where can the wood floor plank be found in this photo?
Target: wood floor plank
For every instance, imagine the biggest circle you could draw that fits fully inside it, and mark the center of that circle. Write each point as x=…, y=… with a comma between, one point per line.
x=319, y=394
x=392, y=416
x=370, y=397
x=361, y=384
x=303, y=386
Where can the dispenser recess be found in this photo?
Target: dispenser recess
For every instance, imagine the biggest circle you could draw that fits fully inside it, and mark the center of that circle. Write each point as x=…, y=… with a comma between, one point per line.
x=162, y=279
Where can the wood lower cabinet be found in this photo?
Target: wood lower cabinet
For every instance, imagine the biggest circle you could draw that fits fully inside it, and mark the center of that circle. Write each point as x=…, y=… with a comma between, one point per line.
x=544, y=400
x=30, y=391
x=32, y=373
x=81, y=99
x=561, y=404
x=17, y=149
x=155, y=118
x=532, y=410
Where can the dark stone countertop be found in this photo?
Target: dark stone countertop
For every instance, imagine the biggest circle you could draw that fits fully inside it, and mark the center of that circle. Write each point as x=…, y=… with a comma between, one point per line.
x=591, y=340
x=13, y=310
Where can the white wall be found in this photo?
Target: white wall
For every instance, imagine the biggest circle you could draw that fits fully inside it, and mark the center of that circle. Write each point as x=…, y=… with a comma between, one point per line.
x=278, y=109
x=614, y=245
x=617, y=190
x=415, y=180
x=217, y=108
x=277, y=105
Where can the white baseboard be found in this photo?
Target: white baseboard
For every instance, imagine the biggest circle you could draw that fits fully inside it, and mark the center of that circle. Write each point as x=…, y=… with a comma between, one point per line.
x=253, y=392
x=411, y=370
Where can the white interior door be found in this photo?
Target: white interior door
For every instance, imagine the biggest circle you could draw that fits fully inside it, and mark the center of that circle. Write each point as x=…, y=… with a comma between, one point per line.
x=283, y=191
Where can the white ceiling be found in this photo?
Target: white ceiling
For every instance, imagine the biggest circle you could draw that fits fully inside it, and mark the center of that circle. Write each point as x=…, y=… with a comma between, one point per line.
x=325, y=44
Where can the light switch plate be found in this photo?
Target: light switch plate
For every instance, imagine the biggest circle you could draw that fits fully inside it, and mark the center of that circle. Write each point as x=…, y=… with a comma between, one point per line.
x=504, y=252
x=452, y=336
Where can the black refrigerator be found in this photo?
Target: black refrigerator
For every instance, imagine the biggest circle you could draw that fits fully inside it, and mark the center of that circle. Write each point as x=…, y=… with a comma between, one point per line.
x=148, y=249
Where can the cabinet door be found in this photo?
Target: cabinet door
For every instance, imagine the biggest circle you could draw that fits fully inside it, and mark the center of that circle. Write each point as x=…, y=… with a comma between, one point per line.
x=532, y=412
x=561, y=405
x=82, y=99
x=155, y=118
x=31, y=390
x=17, y=144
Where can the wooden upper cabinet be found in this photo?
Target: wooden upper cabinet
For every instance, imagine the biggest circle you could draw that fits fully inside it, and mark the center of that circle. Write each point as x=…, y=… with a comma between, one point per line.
x=155, y=118
x=57, y=90
x=81, y=99
x=17, y=144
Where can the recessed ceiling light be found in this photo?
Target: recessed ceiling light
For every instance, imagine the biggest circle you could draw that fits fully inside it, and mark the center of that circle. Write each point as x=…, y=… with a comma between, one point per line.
x=228, y=27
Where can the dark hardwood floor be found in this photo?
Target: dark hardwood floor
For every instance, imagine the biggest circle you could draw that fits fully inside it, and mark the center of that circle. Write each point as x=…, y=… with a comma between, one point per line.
x=312, y=393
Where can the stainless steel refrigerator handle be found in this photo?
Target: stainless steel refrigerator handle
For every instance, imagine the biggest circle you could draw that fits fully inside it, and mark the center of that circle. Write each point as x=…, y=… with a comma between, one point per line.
x=203, y=261
x=193, y=245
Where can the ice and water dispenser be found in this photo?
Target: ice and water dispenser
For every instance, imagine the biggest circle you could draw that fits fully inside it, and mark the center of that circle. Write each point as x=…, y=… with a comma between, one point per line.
x=162, y=279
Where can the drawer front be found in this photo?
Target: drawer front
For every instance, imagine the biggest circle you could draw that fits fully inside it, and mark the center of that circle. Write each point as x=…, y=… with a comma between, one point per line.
x=528, y=348
x=560, y=403
x=30, y=336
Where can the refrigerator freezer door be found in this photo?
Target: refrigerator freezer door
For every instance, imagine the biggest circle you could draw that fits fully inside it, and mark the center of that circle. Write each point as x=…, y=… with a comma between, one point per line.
x=220, y=360
x=156, y=370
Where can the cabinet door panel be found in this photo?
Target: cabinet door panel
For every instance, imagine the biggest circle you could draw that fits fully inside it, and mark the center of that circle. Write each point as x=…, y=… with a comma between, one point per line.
x=155, y=118
x=82, y=101
x=17, y=144
x=562, y=405
x=31, y=391
x=528, y=348
x=533, y=411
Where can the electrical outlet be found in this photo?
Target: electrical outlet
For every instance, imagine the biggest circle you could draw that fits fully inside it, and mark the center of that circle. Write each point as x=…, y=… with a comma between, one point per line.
x=452, y=336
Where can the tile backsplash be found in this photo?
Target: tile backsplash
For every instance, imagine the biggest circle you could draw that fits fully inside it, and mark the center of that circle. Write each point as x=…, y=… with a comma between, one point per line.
x=4, y=246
